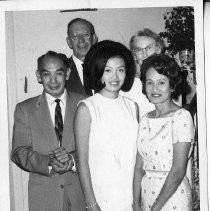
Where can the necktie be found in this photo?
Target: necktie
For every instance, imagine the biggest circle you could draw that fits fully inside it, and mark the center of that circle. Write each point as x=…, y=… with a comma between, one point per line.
x=58, y=122
x=88, y=91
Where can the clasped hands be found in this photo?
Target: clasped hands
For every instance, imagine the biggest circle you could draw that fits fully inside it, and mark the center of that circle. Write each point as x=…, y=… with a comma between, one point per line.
x=61, y=160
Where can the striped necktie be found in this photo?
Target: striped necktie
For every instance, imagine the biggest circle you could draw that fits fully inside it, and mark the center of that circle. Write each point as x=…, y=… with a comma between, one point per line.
x=58, y=122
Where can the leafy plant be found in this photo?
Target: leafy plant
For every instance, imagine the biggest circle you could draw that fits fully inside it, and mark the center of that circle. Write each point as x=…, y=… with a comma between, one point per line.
x=179, y=29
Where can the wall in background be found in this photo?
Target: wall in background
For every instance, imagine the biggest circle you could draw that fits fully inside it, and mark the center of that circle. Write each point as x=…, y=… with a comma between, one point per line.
x=36, y=32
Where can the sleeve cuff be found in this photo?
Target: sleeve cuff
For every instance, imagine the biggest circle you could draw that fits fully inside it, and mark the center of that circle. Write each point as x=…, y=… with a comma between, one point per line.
x=49, y=169
x=74, y=169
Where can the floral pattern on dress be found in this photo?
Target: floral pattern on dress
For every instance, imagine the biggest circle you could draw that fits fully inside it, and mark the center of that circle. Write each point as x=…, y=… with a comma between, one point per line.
x=155, y=144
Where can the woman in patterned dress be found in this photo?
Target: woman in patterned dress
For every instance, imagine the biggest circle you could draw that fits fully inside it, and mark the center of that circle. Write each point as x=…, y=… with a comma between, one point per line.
x=164, y=142
x=106, y=127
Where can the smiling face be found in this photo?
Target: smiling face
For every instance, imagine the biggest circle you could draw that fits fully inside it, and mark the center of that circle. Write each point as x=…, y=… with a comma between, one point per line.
x=113, y=77
x=80, y=39
x=53, y=75
x=143, y=47
x=158, y=89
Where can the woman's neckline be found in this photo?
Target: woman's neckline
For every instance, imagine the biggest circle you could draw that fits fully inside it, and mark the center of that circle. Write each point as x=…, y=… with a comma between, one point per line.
x=169, y=115
x=107, y=98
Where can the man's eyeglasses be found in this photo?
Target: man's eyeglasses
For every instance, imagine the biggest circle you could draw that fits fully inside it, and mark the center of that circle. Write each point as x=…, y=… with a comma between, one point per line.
x=78, y=36
x=147, y=48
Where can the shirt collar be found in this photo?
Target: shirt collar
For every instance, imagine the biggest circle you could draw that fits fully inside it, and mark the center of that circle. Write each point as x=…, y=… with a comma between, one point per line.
x=77, y=61
x=50, y=99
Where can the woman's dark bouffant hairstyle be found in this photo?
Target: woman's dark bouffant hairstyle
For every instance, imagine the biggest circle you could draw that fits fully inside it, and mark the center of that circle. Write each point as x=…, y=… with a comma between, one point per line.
x=167, y=66
x=96, y=59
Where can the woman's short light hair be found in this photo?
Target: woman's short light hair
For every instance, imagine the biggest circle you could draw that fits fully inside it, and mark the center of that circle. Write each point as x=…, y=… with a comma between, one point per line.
x=149, y=33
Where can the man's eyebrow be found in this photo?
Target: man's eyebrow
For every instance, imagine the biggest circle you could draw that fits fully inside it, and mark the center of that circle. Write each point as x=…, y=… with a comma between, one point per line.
x=43, y=70
x=61, y=69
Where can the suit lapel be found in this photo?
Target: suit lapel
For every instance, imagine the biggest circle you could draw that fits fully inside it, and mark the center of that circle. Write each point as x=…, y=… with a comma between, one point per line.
x=45, y=122
x=46, y=126
x=68, y=136
x=74, y=73
x=74, y=84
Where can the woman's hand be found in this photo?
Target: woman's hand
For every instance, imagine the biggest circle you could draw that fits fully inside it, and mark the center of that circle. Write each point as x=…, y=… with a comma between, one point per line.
x=93, y=208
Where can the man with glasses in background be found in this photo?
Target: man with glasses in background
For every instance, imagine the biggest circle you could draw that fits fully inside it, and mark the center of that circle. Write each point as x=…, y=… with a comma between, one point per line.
x=81, y=36
x=143, y=44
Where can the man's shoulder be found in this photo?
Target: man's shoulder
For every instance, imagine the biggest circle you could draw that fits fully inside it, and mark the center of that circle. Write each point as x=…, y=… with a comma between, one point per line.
x=30, y=102
x=71, y=61
x=76, y=96
x=72, y=66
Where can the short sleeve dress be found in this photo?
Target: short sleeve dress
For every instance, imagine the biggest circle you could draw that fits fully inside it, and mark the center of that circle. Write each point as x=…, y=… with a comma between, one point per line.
x=112, y=150
x=155, y=144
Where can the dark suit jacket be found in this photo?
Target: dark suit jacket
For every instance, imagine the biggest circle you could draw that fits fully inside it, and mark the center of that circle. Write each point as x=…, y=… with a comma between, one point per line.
x=74, y=84
x=33, y=137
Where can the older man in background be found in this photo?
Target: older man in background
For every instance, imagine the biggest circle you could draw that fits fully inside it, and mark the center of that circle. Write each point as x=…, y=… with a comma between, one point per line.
x=81, y=37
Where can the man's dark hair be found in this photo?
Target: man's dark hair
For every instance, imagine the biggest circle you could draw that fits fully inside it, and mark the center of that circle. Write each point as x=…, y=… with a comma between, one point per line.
x=52, y=54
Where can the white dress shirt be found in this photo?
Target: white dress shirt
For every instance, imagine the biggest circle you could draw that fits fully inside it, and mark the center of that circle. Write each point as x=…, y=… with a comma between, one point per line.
x=78, y=64
x=52, y=104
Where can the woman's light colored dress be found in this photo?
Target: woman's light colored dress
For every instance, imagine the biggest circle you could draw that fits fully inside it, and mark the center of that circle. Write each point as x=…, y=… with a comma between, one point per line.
x=155, y=144
x=112, y=150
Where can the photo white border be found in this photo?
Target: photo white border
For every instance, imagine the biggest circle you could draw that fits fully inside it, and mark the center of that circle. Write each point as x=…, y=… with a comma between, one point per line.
x=207, y=76
x=67, y=4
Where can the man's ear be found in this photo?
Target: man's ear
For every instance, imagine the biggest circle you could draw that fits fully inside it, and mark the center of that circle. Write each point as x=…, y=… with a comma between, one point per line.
x=38, y=76
x=69, y=42
x=68, y=72
x=95, y=38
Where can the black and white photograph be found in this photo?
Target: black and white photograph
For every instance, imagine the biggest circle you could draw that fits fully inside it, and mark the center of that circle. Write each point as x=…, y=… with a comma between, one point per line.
x=104, y=105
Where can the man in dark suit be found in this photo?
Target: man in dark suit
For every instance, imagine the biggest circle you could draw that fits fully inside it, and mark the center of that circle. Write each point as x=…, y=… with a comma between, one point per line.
x=81, y=36
x=43, y=140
